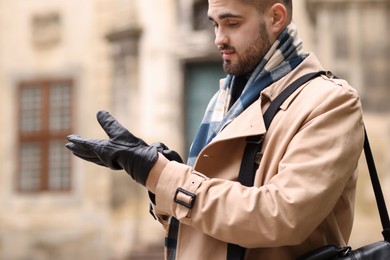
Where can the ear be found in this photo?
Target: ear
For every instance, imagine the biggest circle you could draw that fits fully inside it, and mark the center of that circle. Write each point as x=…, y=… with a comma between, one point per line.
x=277, y=20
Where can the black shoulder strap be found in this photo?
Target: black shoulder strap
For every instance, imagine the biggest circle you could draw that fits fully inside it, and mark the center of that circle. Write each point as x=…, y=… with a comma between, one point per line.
x=248, y=165
x=380, y=201
x=277, y=102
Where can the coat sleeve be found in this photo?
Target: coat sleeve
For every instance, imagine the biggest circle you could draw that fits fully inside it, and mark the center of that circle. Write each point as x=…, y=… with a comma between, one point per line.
x=310, y=170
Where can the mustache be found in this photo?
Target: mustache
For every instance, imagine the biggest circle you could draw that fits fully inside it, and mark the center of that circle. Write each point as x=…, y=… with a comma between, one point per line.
x=226, y=48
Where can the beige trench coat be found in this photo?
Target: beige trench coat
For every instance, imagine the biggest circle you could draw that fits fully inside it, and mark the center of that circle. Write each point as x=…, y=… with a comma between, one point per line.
x=303, y=194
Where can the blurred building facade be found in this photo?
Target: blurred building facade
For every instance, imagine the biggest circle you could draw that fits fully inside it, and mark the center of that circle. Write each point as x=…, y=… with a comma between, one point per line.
x=153, y=65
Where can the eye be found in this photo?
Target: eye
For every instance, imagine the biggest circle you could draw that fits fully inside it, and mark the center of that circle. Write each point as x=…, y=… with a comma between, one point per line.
x=232, y=24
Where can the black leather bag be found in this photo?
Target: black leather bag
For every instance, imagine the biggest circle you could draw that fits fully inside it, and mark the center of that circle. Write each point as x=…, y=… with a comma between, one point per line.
x=375, y=251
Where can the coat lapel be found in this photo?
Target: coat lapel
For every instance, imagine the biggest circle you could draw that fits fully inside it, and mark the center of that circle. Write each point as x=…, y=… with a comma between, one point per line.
x=250, y=122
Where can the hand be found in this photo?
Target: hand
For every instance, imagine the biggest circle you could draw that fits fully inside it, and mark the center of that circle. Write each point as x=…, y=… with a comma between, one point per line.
x=168, y=153
x=122, y=150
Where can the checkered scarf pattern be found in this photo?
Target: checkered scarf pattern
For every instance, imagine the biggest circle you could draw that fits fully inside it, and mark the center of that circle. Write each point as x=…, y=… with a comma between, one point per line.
x=284, y=55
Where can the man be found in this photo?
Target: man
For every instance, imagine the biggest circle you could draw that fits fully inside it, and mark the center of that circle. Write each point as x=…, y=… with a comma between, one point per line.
x=304, y=187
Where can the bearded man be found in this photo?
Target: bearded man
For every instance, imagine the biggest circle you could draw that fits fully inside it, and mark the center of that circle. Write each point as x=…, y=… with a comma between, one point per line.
x=302, y=195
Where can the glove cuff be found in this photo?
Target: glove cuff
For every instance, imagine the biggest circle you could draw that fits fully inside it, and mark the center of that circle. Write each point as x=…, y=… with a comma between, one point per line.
x=141, y=171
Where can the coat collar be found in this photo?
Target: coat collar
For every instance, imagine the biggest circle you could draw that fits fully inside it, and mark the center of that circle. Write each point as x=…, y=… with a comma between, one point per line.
x=308, y=65
x=250, y=122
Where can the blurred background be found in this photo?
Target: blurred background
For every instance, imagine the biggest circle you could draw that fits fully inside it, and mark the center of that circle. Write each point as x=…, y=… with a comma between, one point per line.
x=154, y=66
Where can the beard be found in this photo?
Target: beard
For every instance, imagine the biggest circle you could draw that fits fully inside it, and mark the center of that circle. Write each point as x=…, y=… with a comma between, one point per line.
x=248, y=60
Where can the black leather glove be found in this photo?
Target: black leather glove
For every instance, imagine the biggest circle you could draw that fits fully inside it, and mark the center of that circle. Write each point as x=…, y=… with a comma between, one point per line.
x=122, y=150
x=168, y=153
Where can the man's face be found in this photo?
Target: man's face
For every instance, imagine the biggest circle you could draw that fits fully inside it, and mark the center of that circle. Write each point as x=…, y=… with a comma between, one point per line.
x=240, y=35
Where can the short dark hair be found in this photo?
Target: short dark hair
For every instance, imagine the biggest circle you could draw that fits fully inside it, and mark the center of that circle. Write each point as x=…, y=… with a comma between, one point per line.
x=261, y=5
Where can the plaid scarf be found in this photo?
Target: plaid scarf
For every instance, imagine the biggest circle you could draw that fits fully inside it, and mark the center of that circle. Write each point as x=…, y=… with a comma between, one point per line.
x=284, y=55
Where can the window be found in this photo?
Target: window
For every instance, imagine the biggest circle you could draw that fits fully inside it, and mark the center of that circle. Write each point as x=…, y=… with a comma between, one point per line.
x=44, y=122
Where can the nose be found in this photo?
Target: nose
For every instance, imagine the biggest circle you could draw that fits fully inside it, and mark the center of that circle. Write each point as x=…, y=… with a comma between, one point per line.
x=221, y=37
